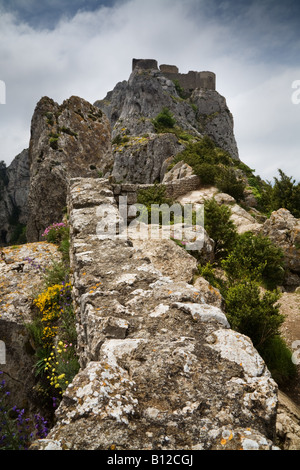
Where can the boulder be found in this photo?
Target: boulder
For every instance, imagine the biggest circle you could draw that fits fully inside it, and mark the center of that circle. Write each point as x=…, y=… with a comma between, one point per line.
x=179, y=171
x=284, y=231
x=243, y=220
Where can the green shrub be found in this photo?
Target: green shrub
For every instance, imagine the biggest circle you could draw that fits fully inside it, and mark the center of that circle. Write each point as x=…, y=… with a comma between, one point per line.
x=256, y=258
x=180, y=91
x=219, y=227
x=278, y=357
x=213, y=165
x=227, y=181
x=286, y=194
x=252, y=314
x=208, y=272
x=155, y=195
x=164, y=121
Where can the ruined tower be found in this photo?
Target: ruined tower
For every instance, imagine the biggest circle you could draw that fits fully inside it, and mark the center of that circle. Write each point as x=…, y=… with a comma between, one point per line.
x=188, y=81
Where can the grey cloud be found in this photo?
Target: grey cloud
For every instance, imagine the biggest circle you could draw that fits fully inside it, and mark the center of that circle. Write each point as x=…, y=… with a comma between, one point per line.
x=88, y=53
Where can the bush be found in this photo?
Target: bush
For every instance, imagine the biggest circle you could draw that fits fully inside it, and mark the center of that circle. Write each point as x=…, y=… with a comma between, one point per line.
x=227, y=182
x=56, y=232
x=54, y=321
x=256, y=258
x=207, y=160
x=219, y=227
x=252, y=314
x=286, y=194
x=278, y=357
x=53, y=304
x=57, y=273
x=164, y=121
x=61, y=366
x=155, y=195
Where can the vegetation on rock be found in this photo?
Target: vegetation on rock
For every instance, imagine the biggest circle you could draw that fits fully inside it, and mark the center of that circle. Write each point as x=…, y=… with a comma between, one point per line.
x=252, y=268
x=53, y=329
x=214, y=166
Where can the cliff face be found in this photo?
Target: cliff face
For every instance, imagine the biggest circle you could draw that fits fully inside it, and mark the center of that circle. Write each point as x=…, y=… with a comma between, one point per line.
x=13, y=198
x=68, y=140
x=131, y=106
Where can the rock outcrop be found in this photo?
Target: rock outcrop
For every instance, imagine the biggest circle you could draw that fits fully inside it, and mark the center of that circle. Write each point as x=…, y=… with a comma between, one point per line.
x=160, y=368
x=131, y=106
x=13, y=198
x=68, y=140
x=21, y=274
x=284, y=230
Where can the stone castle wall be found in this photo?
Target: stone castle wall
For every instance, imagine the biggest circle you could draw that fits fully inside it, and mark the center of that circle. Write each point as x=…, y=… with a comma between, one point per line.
x=188, y=81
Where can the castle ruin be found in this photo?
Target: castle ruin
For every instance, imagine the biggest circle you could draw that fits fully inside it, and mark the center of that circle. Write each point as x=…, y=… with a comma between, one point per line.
x=188, y=81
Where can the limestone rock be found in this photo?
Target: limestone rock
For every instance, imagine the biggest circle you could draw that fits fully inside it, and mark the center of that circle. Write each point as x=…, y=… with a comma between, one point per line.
x=167, y=257
x=288, y=423
x=160, y=368
x=216, y=119
x=179, y=171
x=141, y=159
x=243, y=220
x=211, y=295
x=284, y=230
x=13, y=196
x=20, y=280
x=131, y=107
x=68, y=140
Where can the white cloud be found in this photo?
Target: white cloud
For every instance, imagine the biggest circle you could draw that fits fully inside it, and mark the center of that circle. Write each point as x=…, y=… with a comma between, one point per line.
x=89, y=53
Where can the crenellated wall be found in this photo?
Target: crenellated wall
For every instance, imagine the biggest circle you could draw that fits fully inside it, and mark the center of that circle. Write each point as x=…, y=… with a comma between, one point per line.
x=188, y=81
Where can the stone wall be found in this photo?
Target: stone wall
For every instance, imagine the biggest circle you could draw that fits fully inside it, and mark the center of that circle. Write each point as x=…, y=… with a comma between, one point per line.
x=160, y=368
x=188, y=81
x=174, y=189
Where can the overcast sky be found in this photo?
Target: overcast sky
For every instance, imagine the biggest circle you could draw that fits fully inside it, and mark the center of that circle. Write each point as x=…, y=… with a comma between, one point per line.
x=59, y=48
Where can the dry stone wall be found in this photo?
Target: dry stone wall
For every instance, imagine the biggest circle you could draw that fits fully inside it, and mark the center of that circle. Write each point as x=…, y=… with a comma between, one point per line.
x=160, y=367
x=174, y=189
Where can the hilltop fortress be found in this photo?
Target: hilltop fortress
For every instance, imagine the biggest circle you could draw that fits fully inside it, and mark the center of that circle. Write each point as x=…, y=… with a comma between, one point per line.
x=188, y=81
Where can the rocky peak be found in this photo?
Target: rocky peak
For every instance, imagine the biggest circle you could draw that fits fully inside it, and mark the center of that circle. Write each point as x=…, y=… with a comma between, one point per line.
x=68, y=140
x=133, y=105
